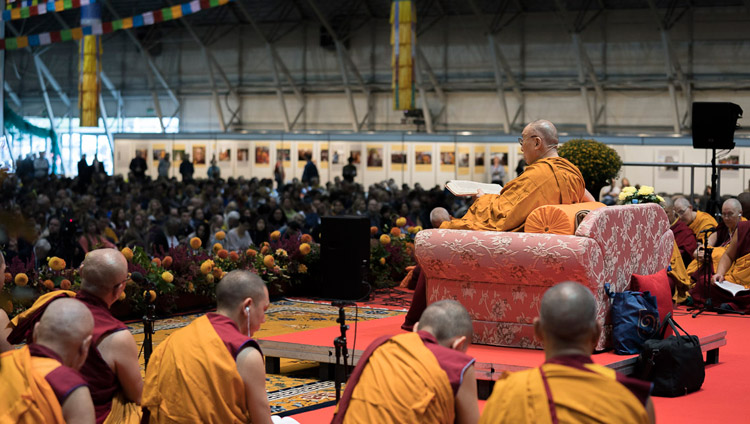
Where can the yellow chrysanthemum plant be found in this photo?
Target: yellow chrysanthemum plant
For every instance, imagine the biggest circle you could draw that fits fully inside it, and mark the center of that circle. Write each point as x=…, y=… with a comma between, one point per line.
x=596, y=161
x=645, y=194
x=391, y=252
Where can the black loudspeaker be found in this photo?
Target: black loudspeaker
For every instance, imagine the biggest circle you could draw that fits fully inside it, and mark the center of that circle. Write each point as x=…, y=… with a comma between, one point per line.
x=714, y=124
x=344, y=256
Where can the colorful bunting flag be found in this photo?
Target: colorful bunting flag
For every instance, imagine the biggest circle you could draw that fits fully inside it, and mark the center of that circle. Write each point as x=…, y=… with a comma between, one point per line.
x=144, y=19
x=29, y=9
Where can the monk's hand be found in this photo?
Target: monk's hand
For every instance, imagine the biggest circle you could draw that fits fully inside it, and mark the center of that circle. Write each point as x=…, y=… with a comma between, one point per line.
x=717, y=278
x=479, y=194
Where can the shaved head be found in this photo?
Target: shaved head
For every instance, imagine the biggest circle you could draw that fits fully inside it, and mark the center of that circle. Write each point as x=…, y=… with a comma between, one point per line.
x=568, y=314
x=546, y=131
x=446, y=320
x=102, y=270
x=731, y=205
x=682, y=202
x=65, y=327
x=438, y=216
x=237, y=286
x=668, y=205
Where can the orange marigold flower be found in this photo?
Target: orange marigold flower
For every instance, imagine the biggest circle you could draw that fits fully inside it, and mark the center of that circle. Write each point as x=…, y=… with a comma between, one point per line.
x=166, y=262
x=401, y=222
x=233, y=256
x=195, y=243
x=207, y=266
x=220, y=235
x=382, y=261
x=304, y=248
x=417, y=229
x=149, y=295
x=217, y=247
x=128, y=253
x=167, y=276
x=264, y=250
x=373, y=230
x=122, y=296
x=306, y=238
x=217, y=272
x=56, y=264
x=8, y=307
x=223, y=274
x=302, y=268
x=156, y=261
x=8, y=277
x=268, y=261
x=222, y=253
x=49, y=284
x=251, y=252
x=276, y=235
x=21, y=279
x=385, y=240
x=276, y=270
x=395, y=231
x=65, y=284
x=412, y=230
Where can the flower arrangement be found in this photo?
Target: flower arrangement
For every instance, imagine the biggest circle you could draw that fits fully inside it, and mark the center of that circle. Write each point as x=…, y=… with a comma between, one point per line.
x=23, y=284
x=391, y=253
x=596, y=161
x=645, y=194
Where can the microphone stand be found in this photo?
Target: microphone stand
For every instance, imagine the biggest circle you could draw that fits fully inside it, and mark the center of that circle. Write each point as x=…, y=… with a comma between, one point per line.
x=341, y=349
x=148, y=326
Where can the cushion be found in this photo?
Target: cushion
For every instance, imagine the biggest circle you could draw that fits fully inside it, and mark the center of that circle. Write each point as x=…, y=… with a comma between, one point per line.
x=658, y=285
x=558, y=219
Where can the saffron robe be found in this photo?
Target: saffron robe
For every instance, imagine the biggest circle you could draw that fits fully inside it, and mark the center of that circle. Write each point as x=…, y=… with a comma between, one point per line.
x=408, y=378
x=738, y=273
x=679, y=279
x=34, y=385
x=101, y=379
x=550, y=181
x=192, y=376
x=572, y=388
x=702, y=222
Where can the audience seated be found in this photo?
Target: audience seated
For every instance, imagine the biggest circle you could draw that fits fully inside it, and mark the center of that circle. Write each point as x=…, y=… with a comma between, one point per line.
x=222, y=378
x=569, y=387
x=39, y=381
x=419, y=377
x=111, y=368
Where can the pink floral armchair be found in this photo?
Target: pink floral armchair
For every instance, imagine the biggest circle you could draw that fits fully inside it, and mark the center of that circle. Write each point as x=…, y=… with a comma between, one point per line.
x=500, y=277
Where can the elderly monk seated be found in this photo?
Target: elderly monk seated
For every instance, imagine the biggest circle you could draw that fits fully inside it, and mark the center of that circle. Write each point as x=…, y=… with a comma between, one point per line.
x=568, y=387
x=111, y=368
x=734, y=266
x=40, y=383
x=682, y=251
x=212, y=371
x=731, y=214
x=547, y=180
x=421, y=377
x=697, y=221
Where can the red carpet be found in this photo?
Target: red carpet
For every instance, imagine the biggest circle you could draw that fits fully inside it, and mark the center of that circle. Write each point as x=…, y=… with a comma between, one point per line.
x=720, y=399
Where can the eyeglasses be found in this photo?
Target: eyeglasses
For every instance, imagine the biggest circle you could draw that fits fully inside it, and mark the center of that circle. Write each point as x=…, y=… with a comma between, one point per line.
x=729, y=215
x=678, y=213
x=521, y=140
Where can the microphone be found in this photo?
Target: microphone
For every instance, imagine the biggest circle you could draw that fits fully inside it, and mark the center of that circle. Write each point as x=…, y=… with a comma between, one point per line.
x=137, y=277
x=708, y=230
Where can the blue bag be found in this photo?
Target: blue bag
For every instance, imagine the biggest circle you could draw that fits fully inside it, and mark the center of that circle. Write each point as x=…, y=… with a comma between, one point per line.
x=635, y=319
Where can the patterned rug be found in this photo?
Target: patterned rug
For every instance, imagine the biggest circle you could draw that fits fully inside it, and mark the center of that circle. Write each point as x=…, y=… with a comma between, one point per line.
x=296, y=389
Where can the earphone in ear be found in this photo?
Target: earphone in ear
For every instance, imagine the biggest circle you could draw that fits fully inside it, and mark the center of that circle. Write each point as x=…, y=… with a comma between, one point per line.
x=247, y=309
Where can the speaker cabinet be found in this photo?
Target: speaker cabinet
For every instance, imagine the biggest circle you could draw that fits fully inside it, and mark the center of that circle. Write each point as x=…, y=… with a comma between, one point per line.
x=344, y=256
x=714, y=124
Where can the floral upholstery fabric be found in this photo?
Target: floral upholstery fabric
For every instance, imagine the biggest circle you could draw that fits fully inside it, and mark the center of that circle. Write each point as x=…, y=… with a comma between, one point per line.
x=500, y=277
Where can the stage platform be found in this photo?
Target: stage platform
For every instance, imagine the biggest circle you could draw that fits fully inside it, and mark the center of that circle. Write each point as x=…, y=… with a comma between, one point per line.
x=491, y=361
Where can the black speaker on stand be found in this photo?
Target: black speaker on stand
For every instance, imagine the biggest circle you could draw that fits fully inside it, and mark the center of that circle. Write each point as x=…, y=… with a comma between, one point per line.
x=345, y=257
x=713, y=128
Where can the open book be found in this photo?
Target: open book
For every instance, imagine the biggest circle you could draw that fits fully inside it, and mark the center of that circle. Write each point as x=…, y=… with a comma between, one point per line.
x=731, y=287
x=469, y=188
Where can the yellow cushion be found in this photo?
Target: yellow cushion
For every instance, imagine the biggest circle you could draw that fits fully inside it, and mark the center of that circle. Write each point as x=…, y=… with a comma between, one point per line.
x=559, y=219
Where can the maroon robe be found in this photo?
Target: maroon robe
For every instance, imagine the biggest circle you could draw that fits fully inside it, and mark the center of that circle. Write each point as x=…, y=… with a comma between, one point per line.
x=62, y=379
x=685, y=239
x=229, y=333
x=704, y=290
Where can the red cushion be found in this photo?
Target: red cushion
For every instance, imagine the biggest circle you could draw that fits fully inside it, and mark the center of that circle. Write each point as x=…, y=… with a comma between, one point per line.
x=658, y=285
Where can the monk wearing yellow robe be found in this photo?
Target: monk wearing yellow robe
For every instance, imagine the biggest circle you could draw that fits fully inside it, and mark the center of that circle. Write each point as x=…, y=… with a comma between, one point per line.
x=682, y=252
x=111, y=368
x=547, y=180
x=40, y=383
x=421, y=377
x=212, y=371
x=731, y=212
x=568, y=387
x=698, y=221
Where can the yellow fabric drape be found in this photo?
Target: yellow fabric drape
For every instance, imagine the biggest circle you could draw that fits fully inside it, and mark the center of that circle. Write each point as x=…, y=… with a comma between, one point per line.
x=405, y=366
x=701, y=222
x=403, y=39
x=680, y=274
x=192, y=377
x=520, y=397
x=123, y=411
x=89, y=83
x=38, y=303
x=739, y=273
x=25, y=396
